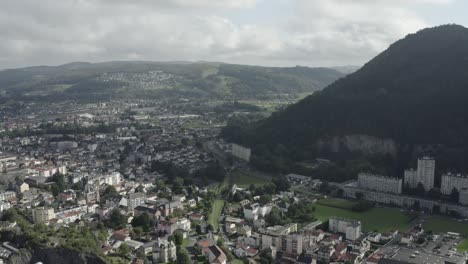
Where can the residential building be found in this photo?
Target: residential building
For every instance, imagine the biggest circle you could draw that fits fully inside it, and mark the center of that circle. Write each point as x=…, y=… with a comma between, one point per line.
x=351, y=228
x=424, y=174
x=164, y=251
x=135, y=199
x=453, y=181
x=379, y=183
x=42, y=215
x=216, y=255
x=254, y=211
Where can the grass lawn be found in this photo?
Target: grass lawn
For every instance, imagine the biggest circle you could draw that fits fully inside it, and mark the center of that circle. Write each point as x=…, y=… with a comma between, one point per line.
x=441, y=224
x=213, y=218
x=115, y=260
x=243, y=180
x=237, y=261
x=337, y=203
x=380, y=219
x=185, y=243
x=463, y=246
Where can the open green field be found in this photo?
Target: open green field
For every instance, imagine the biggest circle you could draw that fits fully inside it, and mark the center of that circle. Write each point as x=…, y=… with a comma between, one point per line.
x=213, y=218
x=442, y=224
x=337, y=203
x=243, y=180
x=463, y=246
x=379, y=219
x=115, y=260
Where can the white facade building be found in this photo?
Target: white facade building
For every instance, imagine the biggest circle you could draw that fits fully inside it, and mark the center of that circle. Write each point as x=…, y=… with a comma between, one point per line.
x=164, y=251
x=42, y=215
x=451, y=181
x=463, y=196
x=254, y=211
x=424, y=174
x=135, y=199
x=111, y=179
x=379, y=183
x=351, y=228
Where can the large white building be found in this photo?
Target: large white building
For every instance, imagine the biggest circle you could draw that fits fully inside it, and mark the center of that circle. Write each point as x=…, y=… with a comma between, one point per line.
x=111, y=179
x=135, y=199
x=379, y=183
x=450, y=181
x=424, y=174
x=463, y=196
x=164, y=251
x=282, y=238
x=351, y=228
x=42, y=215
x=240, y=152
x=254, y=211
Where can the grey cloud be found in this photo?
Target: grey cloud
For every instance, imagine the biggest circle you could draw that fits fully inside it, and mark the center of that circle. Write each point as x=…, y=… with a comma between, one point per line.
x=328, y=32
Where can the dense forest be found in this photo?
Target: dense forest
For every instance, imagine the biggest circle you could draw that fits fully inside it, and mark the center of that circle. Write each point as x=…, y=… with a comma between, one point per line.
x=413, y=94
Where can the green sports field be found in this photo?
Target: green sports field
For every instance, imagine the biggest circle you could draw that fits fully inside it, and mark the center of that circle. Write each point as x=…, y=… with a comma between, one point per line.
x=337, y=203
x=378, y=219
x=443, y=224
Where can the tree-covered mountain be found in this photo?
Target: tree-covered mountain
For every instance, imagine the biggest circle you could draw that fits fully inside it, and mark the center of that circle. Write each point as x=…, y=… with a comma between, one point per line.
x=98, y=81
x=410, y=99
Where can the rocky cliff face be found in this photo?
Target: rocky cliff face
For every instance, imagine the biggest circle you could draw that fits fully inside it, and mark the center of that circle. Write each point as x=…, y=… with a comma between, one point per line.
x=364, y=144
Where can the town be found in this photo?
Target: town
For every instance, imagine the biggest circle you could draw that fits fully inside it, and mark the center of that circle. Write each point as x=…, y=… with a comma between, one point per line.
x=138, y=182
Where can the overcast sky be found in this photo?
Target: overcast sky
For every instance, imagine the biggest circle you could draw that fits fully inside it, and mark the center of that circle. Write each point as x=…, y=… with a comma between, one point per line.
x=261, y=32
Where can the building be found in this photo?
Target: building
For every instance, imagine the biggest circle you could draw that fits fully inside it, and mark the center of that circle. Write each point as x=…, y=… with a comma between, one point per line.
x=254, y=211
x=4, y=196
x=351, y=228
x=23, y=187
x=411, y=179
x=351, y=189
x=240, y=152
x=424, y=174
x=463, y=196
x=379, y=183
x=282, y=238
x=164, y=251
x=453, y=181
x=111, y=179
x=135, y=199
x=42, y=215
x=4, y=205
x=216, y=255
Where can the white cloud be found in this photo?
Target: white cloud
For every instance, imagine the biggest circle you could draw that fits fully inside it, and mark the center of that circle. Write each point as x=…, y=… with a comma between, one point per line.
x=330, y=32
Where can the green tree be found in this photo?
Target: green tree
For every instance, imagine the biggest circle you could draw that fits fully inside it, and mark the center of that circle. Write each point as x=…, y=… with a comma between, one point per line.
x=110, y=192
x=116, y=219
x=274, y=217
x=454, y=195
x=178, y=238
x=124, y=251
x=182, y=256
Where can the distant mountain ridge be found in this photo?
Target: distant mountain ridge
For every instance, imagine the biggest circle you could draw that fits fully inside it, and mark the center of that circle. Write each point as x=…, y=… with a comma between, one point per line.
x=412, y=97
x=143, y=79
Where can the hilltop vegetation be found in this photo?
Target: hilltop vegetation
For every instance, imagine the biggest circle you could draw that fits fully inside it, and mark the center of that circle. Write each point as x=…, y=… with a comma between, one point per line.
x=413, y=94
x=102, y=81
